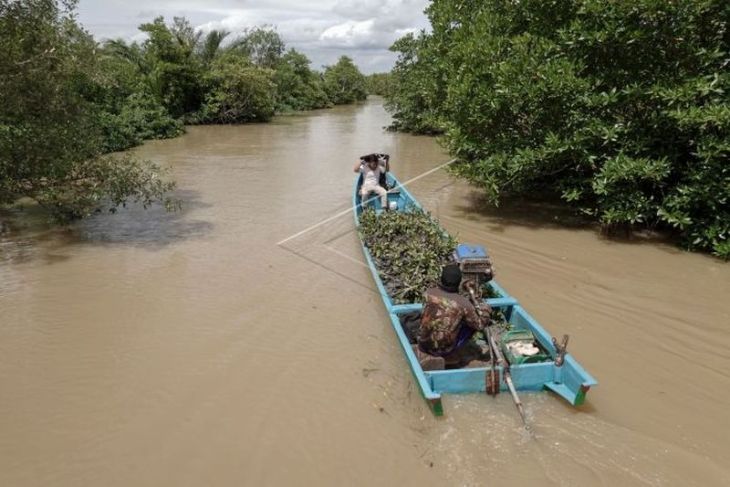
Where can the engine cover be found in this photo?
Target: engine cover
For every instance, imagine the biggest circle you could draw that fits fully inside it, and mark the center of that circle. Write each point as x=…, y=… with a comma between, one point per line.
x=474, y=263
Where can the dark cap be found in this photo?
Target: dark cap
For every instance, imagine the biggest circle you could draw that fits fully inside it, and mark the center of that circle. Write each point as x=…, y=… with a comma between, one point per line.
x=451, y=277
x=369, y=157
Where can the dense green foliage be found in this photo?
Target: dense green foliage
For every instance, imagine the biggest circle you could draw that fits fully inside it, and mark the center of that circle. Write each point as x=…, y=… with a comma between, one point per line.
x=344, y=83
x=620, y=108
x=263, y=46
x=172, y=71
x=238, y=91
x=52, y=128
x=131, y=109
x=68, y=100
x=378, y=83
x=297, y=86
x=136, y=118
x=201, y=79
x=409, y=249
x=417, y=84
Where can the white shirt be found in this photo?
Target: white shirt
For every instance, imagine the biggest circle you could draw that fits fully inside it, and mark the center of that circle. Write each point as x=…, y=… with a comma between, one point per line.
x=370, y=177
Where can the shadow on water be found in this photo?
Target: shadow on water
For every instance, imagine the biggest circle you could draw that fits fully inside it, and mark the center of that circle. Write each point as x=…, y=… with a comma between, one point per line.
x=28, y=234
x=153, y=227
x=533, y=213
x=544, y=213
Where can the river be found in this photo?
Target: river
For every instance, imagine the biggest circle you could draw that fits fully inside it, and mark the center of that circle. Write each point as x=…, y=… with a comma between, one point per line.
x=188, y=348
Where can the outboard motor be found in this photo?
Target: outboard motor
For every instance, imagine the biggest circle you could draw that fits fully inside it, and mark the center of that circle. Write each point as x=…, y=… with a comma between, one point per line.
x=476, y=267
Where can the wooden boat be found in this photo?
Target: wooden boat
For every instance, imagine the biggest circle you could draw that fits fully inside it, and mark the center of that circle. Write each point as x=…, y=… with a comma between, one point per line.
x=560, y=374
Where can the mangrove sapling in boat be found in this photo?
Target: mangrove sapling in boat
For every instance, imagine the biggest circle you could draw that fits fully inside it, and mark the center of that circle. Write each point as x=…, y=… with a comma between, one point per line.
x=409, y=249
x=489, y=292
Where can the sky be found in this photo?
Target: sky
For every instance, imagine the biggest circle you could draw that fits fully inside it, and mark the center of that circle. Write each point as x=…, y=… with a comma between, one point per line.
x=322, y=29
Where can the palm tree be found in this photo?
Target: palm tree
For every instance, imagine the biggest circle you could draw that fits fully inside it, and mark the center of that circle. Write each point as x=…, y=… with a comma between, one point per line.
x=130, y=52
x=210, y=46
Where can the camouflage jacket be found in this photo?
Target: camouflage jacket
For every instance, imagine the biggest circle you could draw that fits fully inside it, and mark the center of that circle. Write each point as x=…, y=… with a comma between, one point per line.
x=444, y=314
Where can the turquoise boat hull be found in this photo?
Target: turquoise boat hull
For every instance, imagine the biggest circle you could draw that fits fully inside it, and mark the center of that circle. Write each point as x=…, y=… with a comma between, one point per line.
x=569, y=380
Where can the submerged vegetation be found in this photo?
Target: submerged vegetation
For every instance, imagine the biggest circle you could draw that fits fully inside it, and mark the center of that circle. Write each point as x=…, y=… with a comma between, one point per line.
x=619, y=108
x=409, y=248
x=68, y=100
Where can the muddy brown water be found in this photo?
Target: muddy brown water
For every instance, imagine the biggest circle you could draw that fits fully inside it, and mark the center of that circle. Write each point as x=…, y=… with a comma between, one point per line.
x=147, y=348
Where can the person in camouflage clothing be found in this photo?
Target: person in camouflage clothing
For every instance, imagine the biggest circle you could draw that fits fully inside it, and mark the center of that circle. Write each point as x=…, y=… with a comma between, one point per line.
x=449, y=319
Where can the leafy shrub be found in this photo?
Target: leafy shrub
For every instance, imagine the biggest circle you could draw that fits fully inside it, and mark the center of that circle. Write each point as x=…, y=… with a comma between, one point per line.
x=50, y=136
x=141, y=118
x=416, y=87
x=263, y=46
x=297, y=86
x=172, y=70
x=344, y=83
x=103, y=184
x=378, y=83
x=620, y=108
x=239, y=92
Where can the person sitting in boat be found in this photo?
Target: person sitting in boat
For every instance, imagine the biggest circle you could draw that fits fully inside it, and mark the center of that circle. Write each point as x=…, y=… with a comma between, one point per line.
x=371, y=171
x=383, y=160
x=448, y=322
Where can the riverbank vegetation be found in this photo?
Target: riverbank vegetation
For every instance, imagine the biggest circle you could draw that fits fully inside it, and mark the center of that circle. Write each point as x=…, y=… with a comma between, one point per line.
x=378, y=83
x=619, y=108
x=68, y=100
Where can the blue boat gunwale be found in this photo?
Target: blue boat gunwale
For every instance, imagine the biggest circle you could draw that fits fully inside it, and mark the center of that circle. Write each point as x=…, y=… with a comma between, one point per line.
x=580, y=379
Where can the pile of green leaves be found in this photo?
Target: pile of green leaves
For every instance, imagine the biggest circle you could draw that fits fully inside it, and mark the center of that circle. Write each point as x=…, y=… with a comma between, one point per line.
x=619, y=108
x=409, y=249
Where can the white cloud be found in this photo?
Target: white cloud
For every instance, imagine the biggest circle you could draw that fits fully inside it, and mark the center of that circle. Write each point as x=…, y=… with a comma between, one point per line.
x=322, y=29
x=352, y=33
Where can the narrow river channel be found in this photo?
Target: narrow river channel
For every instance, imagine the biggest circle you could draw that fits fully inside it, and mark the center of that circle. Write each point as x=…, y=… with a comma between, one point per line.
x=147, y=348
